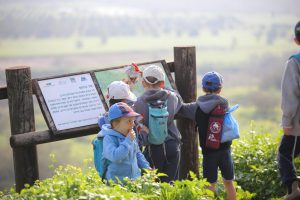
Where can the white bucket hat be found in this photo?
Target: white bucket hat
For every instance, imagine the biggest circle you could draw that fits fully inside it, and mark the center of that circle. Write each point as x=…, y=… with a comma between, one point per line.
x=155, y=72
x=120, y=90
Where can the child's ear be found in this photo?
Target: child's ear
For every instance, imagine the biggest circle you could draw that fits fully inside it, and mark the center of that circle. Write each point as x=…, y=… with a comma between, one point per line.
x=162, y=84
x=296, y=41
x=143, y=83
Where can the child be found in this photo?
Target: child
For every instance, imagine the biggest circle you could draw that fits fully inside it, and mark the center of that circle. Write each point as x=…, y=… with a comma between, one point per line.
x=164, y=157
x=290, y=144
x=133, y=73
x=120, y=146
x=117, y=91
x=212, y=158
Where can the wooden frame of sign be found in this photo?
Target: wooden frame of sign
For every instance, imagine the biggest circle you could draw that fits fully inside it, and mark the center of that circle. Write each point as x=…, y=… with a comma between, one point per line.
x=65, y=100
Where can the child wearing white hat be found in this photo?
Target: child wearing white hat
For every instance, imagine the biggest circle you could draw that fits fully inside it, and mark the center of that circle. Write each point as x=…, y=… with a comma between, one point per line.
x=117, y=91
x=166, y=156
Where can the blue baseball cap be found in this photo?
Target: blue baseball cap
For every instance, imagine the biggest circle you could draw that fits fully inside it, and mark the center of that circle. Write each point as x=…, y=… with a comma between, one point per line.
x=119, y=110
x=212, y=80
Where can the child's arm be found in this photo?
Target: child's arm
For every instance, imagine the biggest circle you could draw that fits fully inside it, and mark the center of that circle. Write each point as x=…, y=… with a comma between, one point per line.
x=142, y=162
x=139, y=107
x=143, y=138
x=114, y=152
x=188, y=110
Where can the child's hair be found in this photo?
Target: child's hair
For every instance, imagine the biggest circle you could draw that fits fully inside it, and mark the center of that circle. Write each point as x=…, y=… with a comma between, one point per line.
x=297, y=31
x=152, y=81
x=114, y=101
x=211, y=91
x=114, y=121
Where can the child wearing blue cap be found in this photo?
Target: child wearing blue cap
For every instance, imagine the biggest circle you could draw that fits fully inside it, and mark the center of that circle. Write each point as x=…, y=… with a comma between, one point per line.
x=120, y=146
x=201, y=111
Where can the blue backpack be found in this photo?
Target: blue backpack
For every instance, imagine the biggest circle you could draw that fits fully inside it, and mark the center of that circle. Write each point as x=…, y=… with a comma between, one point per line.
x=158, y=123
x=101, y=163
x=297, y=56
x=230, y=128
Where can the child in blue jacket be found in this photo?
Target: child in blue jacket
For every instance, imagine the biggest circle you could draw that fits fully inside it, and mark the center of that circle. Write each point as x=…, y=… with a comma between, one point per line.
x=120, y=146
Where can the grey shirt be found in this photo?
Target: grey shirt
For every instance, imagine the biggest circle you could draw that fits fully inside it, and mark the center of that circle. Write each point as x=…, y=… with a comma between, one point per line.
x=290, y=100
x=206, y=102
x=174, y=103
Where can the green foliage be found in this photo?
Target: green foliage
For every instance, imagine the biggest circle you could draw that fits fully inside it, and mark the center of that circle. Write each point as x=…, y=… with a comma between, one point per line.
x=240, y=193
x=186, y=189
x=72, y=182
x=256, y=170
x=255, y=160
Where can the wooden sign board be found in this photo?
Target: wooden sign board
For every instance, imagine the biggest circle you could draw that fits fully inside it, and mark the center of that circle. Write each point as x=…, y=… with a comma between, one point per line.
x=75, y=101
x=70, y=101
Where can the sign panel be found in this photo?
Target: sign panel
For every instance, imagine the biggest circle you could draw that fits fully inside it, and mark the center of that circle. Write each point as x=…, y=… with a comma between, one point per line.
x=106, y=76
x=72, y=101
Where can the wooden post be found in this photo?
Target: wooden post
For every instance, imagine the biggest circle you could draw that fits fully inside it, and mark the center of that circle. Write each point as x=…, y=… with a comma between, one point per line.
x=185, y=79
x=19, y=92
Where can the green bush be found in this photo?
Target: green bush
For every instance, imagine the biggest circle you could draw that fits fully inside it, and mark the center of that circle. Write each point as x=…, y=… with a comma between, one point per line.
x=256, y=170
x=73, y=183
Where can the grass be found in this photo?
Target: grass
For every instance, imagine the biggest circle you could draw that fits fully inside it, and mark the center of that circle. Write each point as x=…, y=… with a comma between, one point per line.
x=229, y=47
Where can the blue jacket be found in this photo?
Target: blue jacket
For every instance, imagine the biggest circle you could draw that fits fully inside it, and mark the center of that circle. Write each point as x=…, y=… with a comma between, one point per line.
x=124, y=154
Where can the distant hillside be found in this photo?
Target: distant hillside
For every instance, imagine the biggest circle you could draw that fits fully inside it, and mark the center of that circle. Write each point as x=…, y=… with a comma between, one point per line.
x=104, y=19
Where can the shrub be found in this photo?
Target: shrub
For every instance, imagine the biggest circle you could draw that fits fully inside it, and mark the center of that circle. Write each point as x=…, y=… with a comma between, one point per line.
x=256, y=170
x=72, y=183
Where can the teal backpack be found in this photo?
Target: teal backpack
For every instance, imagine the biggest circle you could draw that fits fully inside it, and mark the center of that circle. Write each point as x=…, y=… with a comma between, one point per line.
x=297, y=56
x=101, y=163
x=158, y=123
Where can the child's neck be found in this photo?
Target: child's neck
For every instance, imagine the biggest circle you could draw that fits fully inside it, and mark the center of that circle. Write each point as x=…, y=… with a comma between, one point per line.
x=208, y=93
x=152, y=88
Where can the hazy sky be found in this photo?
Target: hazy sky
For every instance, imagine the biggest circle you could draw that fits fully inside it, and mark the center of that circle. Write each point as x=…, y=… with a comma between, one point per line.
x=218, y=6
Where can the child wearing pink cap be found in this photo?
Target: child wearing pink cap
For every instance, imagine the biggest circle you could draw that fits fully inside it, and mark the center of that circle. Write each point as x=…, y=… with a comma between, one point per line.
x=120, y=146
